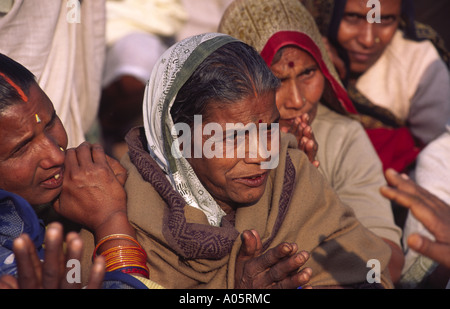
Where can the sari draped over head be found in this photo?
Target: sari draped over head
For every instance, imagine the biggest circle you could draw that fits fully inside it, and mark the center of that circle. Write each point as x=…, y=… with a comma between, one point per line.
x=159, y=97
x=389, y=134
x=184, y=249
x=271, y=25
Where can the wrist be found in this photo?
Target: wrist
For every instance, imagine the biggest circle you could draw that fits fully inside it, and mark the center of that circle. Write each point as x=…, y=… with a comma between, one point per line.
x=116, y=223
x=116, y=241
x=129, y=259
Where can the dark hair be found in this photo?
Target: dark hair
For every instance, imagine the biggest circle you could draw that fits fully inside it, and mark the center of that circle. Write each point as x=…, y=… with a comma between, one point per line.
x=232, y=73
x=21, y=78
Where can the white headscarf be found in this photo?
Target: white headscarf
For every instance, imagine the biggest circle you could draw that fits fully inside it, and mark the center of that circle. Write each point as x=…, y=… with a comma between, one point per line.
x=170, y=73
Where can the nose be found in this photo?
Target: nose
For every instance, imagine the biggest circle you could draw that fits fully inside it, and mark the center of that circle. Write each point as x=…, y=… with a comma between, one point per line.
x=264, y=150
x=294, y=99
x=53, y=154
x=366, y=36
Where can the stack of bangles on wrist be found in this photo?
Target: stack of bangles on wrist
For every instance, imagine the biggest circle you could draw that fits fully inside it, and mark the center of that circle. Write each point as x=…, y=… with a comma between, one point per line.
x=126, y=259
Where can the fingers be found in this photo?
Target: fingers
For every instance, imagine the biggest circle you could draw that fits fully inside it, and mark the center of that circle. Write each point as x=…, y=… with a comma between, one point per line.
x=98, y=154
x=8, y=282
x=295, y=280
x=283, y=275
x=28, y=264
x=97, y=273
x=88, y=154
x=251, y=245
x=71, y=160
x=400, y=181
x=439, y=252
x=276, y=268
x=53, y=268
x=53, y=273
x=426, y=207
x=84, y=155
x=418, y=207
x=118, y=169
x=250, y=248
x=403, y=183
x=308, y=143
x=74, y=246
x=273, y=256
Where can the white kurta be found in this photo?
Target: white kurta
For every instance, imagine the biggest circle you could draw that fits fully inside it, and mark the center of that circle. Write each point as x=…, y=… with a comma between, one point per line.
x=66, y=57
x=411, y=81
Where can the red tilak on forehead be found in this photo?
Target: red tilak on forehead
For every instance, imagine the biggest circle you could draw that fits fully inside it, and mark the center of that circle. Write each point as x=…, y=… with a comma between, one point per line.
x=18, y=89
x=291, y=64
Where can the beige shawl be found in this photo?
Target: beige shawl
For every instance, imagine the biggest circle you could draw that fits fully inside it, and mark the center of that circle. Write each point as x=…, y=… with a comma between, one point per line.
x=298, y=206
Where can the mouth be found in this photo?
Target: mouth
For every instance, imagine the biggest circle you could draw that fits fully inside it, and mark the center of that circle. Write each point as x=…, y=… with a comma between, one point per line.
x=361, y=57
x=54, y=181
x=253, y=181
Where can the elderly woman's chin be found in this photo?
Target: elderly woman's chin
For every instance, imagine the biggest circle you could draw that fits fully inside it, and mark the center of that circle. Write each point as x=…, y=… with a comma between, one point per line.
x=248, y=194
x=43, y=196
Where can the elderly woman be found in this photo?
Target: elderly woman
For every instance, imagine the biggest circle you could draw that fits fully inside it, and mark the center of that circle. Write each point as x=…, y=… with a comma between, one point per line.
x=189, y=211
x=288, y=39
x=395, y=69
x=37, y=173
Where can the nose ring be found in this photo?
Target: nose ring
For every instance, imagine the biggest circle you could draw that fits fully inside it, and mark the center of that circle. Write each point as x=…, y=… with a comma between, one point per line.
x=377, y=40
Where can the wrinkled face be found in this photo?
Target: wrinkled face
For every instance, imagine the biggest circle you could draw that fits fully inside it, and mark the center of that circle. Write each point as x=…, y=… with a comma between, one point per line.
x=302, y=85
x=235, y=181
x=31, y=158
x=365, y=42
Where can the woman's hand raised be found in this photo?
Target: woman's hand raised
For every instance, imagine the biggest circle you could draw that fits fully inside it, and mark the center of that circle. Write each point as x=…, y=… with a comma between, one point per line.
x=278, y=268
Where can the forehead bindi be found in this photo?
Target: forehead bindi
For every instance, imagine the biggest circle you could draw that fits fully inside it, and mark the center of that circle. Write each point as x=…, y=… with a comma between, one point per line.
x=24, y=118
x=293, y=59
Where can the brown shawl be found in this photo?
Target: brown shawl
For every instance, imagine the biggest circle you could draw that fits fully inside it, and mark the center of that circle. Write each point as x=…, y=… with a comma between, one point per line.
x=184, y=251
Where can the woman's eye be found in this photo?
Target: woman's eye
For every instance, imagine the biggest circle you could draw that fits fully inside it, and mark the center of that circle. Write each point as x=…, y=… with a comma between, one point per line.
x=308, y=73
x=352, y=18
x=388, y=20
x=17, y=152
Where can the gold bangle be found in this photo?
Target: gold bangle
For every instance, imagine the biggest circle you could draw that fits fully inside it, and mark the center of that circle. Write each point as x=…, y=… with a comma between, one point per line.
x=111, y=237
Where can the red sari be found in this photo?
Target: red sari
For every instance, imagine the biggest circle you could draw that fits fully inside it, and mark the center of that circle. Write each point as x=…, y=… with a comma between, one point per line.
x=394, y=145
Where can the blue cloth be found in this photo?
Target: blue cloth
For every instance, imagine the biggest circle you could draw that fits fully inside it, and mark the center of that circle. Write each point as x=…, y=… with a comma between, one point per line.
x=17, y=217
x=119, y=280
